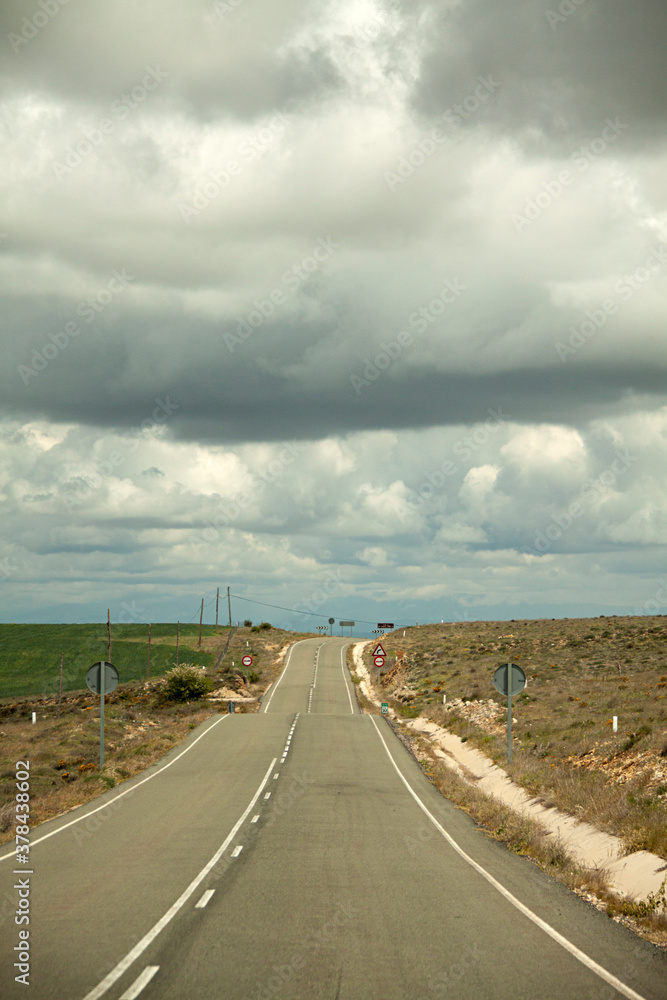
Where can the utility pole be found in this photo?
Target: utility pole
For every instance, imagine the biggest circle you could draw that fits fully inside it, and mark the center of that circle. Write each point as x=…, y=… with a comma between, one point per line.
x=201, y=618
x=229, y=606
x=217, y=599
x=148, y=667
x=178, y=632
x=60, y=689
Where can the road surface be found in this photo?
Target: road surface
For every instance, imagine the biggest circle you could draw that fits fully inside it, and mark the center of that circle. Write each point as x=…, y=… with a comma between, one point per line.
x=299, y=853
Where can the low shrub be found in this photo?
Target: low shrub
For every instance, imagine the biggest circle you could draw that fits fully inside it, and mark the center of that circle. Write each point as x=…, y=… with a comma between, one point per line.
x=186, y=683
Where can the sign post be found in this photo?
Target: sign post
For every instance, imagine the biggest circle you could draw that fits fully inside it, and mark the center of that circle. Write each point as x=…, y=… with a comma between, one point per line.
x=331, y=623
x=102, y=678
x=509, y=679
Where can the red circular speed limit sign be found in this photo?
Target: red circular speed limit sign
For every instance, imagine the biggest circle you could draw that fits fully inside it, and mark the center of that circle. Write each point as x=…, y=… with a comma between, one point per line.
x=378, y=661
x=246, y=660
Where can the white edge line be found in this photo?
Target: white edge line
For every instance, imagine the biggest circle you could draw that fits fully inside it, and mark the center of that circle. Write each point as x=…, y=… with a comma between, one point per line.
x=554, y=934
x=283, y=673
x=109, y=802
x=139, y=983
x=201, y=903
x=148, y=938
x=345, y=681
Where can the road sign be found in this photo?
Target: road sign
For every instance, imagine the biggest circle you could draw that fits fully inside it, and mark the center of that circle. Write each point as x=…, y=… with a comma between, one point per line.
x=384, y=625
x=331, y=621
x=346, y=624
x=94, y=681
x=378, y=661
x=101, y=678
x=384, y=708
x=509, y=679
x=379, y=651
x=518, y=678
x=246, y=661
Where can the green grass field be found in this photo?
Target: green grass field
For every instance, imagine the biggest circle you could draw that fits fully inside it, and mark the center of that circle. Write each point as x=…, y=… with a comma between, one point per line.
x=30, y=654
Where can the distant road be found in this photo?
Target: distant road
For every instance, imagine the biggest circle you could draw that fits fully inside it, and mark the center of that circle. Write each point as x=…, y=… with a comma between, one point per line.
x=301, y=853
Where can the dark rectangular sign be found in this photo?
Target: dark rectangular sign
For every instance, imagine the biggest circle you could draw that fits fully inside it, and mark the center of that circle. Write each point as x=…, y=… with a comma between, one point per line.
x=385, y=624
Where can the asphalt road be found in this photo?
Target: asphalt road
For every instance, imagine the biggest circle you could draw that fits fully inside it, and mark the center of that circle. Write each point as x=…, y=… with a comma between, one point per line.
x=300, y=853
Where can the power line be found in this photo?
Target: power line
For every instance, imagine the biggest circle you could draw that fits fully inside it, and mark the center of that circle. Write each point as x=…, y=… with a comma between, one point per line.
x=293, y=610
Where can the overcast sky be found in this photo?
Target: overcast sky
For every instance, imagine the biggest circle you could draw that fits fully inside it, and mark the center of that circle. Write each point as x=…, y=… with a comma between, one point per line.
x=358, y=308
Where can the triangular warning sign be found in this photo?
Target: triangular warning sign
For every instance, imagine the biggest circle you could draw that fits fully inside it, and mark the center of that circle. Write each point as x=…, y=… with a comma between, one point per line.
x=379, y=651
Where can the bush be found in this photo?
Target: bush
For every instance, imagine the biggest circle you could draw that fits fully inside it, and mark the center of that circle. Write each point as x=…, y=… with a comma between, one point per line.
x=247, y=623
x=185, y=683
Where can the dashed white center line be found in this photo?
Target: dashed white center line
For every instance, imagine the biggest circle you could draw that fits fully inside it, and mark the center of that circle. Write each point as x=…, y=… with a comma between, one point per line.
x=255, y=818
x=204, y=900
x=275, y=777
x=139, y=983
x=121, y=968
x=268, y=795
x=237, y=850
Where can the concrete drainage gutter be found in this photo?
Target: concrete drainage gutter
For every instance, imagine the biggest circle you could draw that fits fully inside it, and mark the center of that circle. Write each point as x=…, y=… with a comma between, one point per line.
x=633, y=875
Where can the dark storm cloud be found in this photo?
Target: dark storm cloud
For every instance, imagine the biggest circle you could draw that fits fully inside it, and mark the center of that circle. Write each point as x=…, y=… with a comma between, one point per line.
x=563, y=67
x=182, y=373
x=237, y=60
x=271, y=302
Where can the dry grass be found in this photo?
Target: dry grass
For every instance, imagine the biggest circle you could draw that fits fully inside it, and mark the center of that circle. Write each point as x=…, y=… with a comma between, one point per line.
x=531, y=839
x=140, y=728
x=580, y=672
